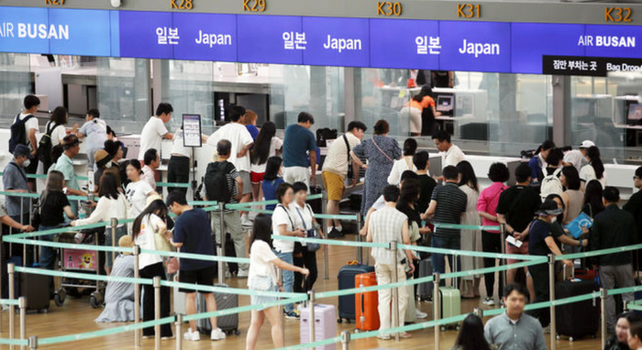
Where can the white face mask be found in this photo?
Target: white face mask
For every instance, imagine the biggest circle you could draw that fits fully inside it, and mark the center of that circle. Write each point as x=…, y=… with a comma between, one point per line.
x=108, y=165
x=554, y=219
x=26, y=163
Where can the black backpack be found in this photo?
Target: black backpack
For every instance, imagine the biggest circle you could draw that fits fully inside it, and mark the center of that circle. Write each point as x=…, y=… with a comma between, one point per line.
x=45, y=145
x=215, y=181
x=325, y=134
x=18, y=132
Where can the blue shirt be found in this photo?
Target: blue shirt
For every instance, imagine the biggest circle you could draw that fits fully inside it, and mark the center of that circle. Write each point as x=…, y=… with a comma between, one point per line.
x=269, y=191
x=192, y=228
x=298, y=141
x=254, y=131
x=15, y=178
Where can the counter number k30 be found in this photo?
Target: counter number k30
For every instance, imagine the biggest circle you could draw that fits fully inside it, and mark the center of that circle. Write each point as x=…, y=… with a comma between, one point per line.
x=387, y=8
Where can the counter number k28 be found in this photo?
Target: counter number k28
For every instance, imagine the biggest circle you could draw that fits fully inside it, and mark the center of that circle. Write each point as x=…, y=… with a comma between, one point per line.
x=181, y=4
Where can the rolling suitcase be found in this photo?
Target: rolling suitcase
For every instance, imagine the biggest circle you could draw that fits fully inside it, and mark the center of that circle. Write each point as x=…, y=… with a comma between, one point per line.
x=36, y=289
x=425, y=291
x=366, y=304
x=450, y=305
x=324, y=325
x=228, y=323
x=347, y=307
x=579, y=319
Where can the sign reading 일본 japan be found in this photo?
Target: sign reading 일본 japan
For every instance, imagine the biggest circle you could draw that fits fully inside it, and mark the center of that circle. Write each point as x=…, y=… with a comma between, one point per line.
x=380, y=42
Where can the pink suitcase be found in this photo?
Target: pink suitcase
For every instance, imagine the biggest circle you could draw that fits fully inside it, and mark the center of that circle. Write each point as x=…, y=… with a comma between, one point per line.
x=325, y=325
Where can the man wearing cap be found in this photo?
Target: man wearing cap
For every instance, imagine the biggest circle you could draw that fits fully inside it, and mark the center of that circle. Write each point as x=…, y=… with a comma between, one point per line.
x=577, y=157
x=15, y=180
x=613, y=228
x=542, y=243
x=71, y=147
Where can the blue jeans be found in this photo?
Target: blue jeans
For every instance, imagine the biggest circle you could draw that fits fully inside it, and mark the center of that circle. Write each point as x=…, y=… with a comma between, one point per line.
x=438, y=261
x=48, y=255
x=288, y=277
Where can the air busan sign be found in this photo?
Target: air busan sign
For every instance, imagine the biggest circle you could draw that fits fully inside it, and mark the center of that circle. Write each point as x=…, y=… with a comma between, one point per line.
x=325, y=41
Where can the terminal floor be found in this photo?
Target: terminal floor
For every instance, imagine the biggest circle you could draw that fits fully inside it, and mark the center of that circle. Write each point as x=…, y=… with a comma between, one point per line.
x=77, y=316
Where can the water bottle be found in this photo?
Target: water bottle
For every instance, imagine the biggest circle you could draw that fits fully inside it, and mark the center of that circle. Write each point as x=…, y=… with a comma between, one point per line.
x=82, y=213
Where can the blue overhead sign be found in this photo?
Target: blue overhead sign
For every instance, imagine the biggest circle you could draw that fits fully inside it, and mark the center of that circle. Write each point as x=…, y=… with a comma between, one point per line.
x=355, y=42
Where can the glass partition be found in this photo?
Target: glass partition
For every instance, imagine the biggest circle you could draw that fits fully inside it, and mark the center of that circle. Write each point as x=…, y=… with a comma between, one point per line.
x=15, y=83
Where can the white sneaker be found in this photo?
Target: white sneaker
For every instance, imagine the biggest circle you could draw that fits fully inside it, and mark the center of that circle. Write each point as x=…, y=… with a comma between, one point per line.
x=488, y=301
x=218, y=334
x=245, y=220
x=228, y=274
x=242, y=273
x=192, y=335
x=420, y=315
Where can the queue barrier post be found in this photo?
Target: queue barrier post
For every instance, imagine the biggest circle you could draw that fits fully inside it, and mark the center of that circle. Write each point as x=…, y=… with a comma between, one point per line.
x=24, y=246
x=551, y=287
x=11, y=270
x=179, y=331
x=311, y=316
x=345, y=340
x=136, y=295
x=359, y=239
x=114, y=226
x=33, y=342
x=436, y=306
x=324, y=209
x=221, y=237
x=157, y=311
x=1, y=286
x=603, y=295
x=395, y=291
x=502, y=237
x=22, y=305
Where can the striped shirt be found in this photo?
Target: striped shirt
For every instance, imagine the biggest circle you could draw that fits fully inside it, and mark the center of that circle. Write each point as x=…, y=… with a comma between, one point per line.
x=451, y=203
x=386, y=225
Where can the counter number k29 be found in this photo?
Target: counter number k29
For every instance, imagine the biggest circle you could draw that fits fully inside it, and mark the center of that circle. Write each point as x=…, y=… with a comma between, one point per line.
x=254, y=5
x=387, y=8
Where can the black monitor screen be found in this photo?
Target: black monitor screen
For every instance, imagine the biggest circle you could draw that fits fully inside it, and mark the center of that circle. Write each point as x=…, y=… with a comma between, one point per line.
x=635, y=112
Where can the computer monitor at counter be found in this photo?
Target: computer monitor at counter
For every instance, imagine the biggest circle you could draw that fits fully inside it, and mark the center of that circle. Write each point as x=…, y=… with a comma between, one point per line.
x=445, y=104
x=635, y=114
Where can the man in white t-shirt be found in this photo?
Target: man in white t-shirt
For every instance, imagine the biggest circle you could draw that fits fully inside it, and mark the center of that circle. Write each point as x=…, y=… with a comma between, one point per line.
x=31, y=104
x=152, y=163
x=241, y=141
x=450, y=153
x=155, y=131
x=335, y=171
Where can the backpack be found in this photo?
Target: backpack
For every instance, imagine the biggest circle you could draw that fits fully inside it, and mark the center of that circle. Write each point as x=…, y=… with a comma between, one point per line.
x=215, y=181
x=45, y=145
x=551, y=184
x=18, y=132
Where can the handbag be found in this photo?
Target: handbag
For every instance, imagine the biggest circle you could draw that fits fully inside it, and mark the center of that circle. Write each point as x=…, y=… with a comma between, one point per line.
x=161, y=243
x=261, y=283
x=311, y=232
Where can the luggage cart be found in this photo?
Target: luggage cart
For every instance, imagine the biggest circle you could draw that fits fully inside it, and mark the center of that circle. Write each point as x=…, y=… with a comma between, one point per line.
x=80, y=260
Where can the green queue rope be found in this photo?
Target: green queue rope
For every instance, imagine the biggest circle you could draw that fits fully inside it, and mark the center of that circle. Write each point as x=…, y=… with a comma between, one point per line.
x=173, y=184
x=593, y=253
x=9, y=302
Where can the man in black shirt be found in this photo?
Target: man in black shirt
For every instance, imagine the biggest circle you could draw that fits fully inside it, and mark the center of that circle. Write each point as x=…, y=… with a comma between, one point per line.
x=516, y=208
x=426, y=183
x=613, y=228
x=634, y=206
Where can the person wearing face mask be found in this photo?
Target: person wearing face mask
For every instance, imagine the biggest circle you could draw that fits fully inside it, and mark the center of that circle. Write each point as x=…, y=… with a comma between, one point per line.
x=613, y=228
x=15, y=180
x=542, y=243
x=619, y=340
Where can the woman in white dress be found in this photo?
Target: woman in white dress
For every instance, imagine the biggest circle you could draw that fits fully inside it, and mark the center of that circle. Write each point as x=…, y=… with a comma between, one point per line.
x=405, y=163
x=471, y=240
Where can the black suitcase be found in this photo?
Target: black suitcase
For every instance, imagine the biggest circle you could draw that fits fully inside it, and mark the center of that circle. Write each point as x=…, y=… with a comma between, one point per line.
x=579, y=319
x=36, y=289
x=425, y=291
x=230, y=252
x=228, y=323
x=347, y=306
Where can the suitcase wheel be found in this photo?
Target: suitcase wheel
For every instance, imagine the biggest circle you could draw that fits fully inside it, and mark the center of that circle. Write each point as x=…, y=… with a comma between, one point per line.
x=233, y=331
x=59, y=297
x=570, y=339
x=96, y=300
x=558, y=337
x=339, y=320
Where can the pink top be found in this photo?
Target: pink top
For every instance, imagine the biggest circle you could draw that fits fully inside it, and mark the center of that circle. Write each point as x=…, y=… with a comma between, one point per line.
x=488, y=200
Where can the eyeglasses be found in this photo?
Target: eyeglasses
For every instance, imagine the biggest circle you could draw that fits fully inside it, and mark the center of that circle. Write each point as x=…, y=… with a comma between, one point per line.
x=636, y=178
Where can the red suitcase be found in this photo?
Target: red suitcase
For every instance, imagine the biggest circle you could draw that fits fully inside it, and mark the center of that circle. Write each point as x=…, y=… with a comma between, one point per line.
x=367, y=303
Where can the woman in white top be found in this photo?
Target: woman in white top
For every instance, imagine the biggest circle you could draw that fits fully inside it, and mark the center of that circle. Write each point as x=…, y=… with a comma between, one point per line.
x=266, y=145
x=56, y=129
x=262, y=277
x=471, y=240
x=283, y=225
x=594, y=170
x=307, y=254
x=405, y=163
x=146, y=226
x=112, y=204
x=137, y=190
